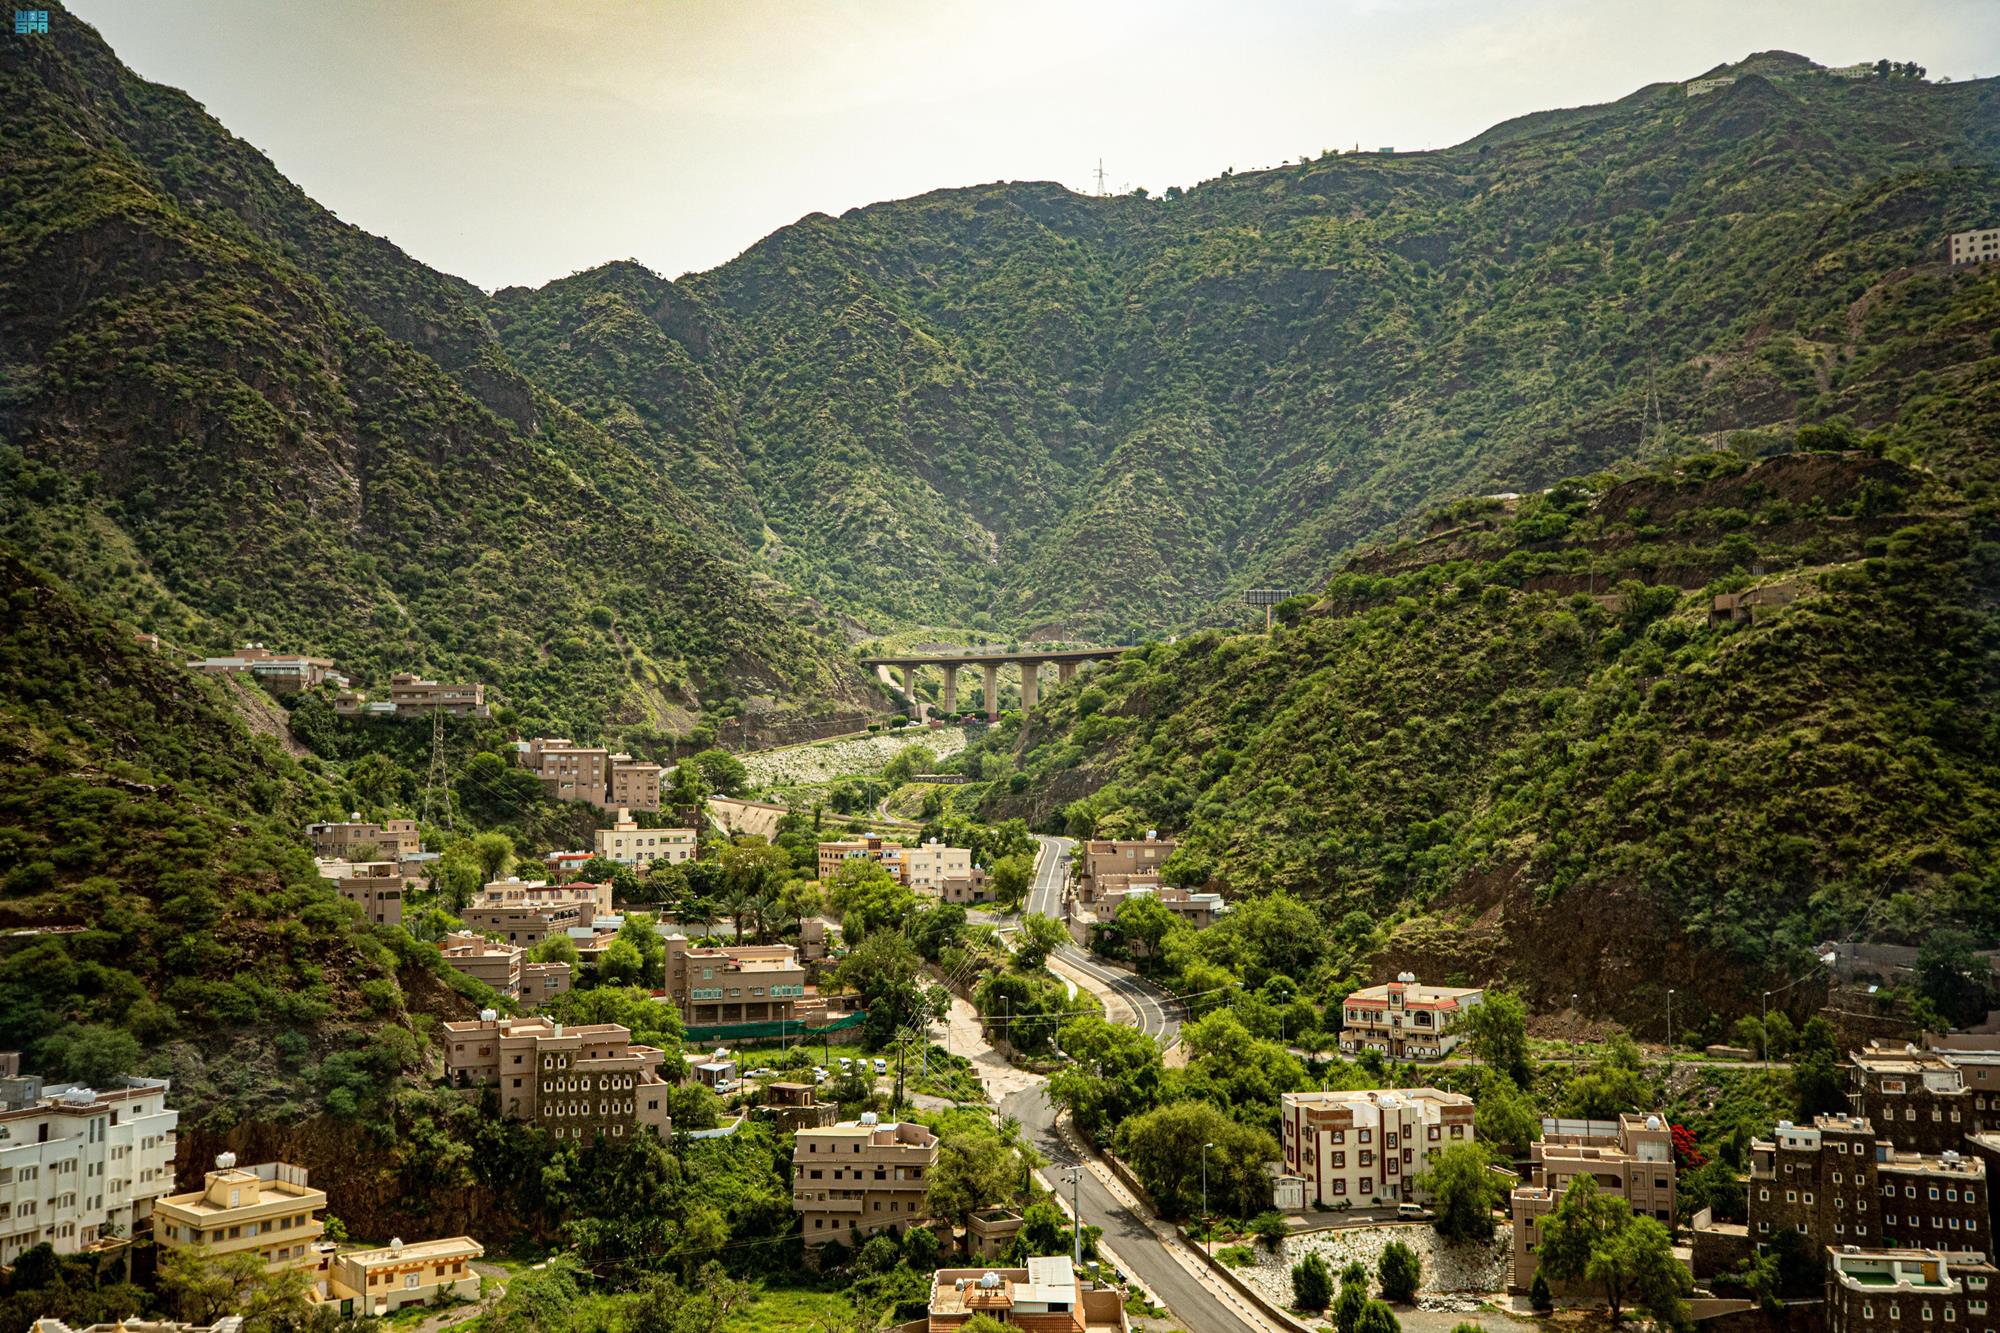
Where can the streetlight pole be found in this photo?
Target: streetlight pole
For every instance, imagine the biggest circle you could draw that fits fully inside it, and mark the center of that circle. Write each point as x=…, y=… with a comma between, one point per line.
x=1207, y=1228
x=1763, y=1033
x=1076, y=1215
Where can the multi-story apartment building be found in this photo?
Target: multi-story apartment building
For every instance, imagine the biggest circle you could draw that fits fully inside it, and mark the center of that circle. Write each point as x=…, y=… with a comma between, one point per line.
x=376, y=887
x=1631, y=1157
x=229, y=1323
x=1837, y=1182
x=738, y=983
x=358, y=840
x=1046, y=1296
x=570, y=772
x=276, y=672
x=505, y=968
x=859, y=1177
x=1918, y=1099
x=834, y=854
x=926, y=867
x=79, y=1167
x=393, y=1276
x=1405, y=1019
x=1871, y=1290
x=575, y=1081
x=1362, y=1147
x=591, y=774
x=412, y=694
x=270, y=1210
x=526, y=912
x=1975, y=247
x=629, y=845
x=634, y=784
x=1109, y=863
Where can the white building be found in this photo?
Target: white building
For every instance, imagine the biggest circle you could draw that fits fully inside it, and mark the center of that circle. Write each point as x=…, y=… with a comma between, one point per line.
x=80, y=1168
x=1362, y=1147
x=629, y=845
x=1975, y=247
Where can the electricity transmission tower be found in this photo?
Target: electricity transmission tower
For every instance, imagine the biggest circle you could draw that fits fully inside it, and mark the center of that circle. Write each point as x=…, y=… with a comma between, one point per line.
x=435, y=807
x=1100, y=178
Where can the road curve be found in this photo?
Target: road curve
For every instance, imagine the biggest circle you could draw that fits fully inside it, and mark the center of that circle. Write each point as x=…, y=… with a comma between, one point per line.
x=1158, y=1012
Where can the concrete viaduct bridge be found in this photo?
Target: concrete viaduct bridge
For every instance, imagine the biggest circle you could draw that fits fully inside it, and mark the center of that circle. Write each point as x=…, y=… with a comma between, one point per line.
x=1066, y=660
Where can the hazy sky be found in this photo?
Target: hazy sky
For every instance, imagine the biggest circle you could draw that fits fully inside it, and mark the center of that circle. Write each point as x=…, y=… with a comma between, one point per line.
x=513, y=142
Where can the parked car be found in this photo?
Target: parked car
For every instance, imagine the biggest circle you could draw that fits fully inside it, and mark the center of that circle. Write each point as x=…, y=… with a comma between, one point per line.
x=881, y=1065
x=763, y=1071
x=846, y=1065
x=1412, y=1212
x=819, y=1073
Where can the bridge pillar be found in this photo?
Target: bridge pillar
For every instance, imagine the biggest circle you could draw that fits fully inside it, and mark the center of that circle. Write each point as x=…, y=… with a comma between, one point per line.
x=992, y=698
x=949, y=699
x=1031, y=684
x=1065, y=672
x=910, y=691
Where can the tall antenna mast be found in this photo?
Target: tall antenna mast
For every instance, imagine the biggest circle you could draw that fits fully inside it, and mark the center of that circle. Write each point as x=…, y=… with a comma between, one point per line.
x=435, y=807
x=1100, y=178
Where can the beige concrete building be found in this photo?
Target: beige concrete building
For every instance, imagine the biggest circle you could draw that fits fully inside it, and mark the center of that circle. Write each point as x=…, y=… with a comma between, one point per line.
x=1631, y=1157
x=504, y=967
x=928, y=866
x=359, y=840
x=376, y=887
x=1199, y=910
x=859, y=1177
x=1903, y=1291
x=279, y=673
x=1046, y=1297
x=738, y=983
x=1110, y=863
x=972, y=889
x=574, y=1081
x=1362, y=1147
x=1405, y=1019
x=411, y=693
x=82, y=1169
x=836, y=853
x=526, y=912
x=270, y=1210
x=231, y=1323
x=629, y=845
x=1975, y=247
x=569, y=772
x=634, y=784
x=387, y=1279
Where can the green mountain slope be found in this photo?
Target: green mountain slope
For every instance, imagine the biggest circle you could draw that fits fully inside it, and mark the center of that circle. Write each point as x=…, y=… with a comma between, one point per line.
x=230, y=414
x=1522, y=737
x=160, y=911
x=1099, y=416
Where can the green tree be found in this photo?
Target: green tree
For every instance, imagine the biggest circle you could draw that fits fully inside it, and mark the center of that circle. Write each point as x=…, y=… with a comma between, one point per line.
x=1038, y=937
x=1347, y=1307
x=1312, y=1283
x=1594, y=1237
x=1399, y=1272
x=1505, y=1117
x=1011, y=876
x=1463, y=1190
x=1497, y=1031
x=1953, y=976
x=886, y=971
x=1164, y=1149
x=1540, y=1298
x=621, y=964
x=493, y=853
x=651, y=1023
x=721, y=772
x=1112, y=1072
x=1270, y=1229
x=91, y=1053
x=977, y=1167
x=1377, y=1317
x=1144, y=924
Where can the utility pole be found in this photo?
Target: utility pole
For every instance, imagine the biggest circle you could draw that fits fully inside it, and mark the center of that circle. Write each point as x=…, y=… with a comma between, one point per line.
x=1670, y=1022
x=1207, y=1227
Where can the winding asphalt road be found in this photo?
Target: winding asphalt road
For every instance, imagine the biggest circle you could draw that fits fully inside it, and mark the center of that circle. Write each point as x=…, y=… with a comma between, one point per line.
x=1127, y=1232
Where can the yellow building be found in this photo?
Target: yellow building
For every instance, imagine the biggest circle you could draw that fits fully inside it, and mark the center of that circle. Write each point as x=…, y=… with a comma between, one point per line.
x=268, y=1209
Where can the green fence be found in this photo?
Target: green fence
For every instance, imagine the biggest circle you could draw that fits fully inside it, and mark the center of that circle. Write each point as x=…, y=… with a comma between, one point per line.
x=754, y=1031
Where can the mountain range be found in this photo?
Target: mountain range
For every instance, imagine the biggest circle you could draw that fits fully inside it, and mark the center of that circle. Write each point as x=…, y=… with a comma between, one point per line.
x=631, y=503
